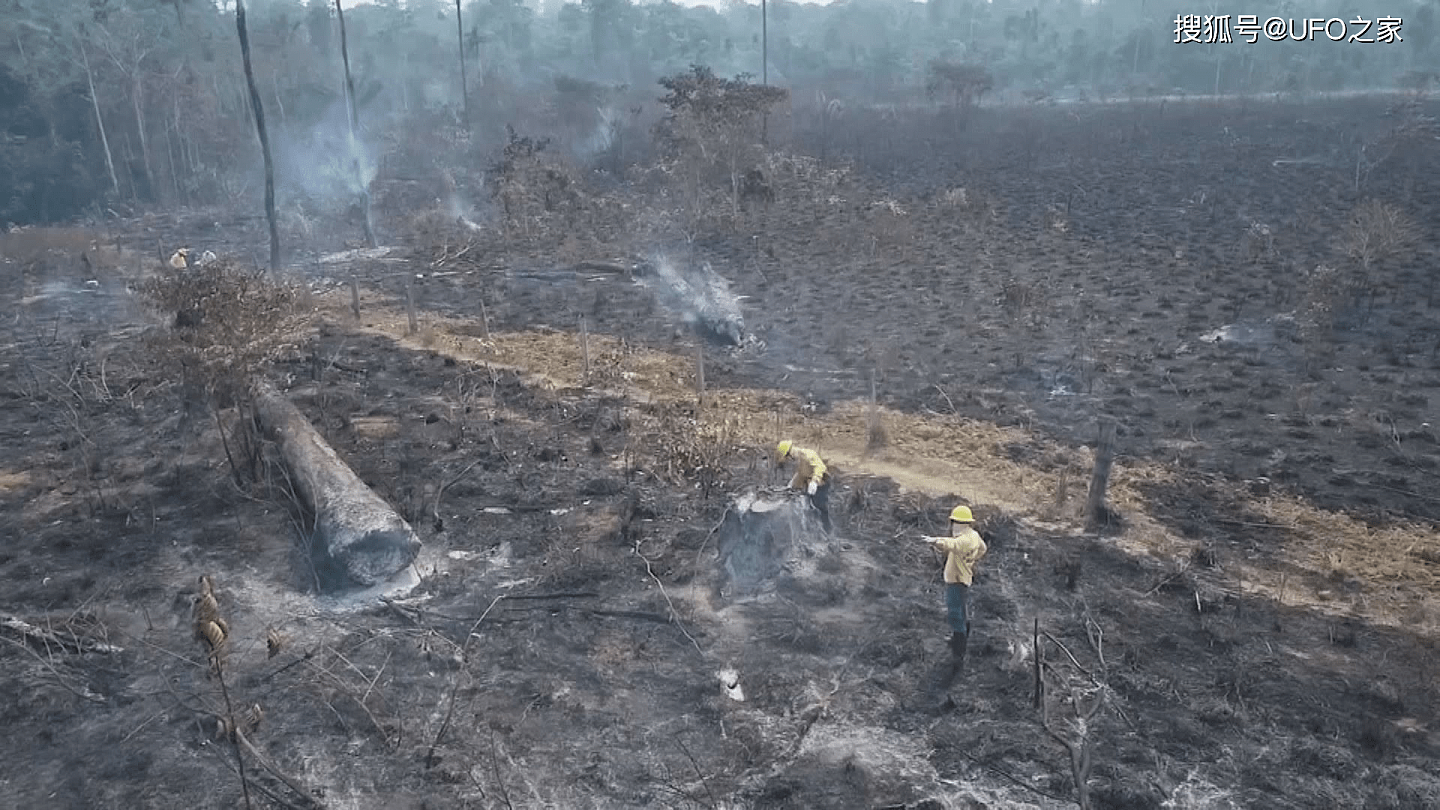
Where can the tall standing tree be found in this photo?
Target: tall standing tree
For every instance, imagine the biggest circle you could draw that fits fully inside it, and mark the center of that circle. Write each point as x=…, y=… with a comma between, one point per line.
x=259, y=111
x=354, y=110
x=129, y=52
x=99, y=119
x=765, y=65
x=460, y=38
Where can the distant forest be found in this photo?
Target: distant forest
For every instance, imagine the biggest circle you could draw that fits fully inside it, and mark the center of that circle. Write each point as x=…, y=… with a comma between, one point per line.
x=130, y=104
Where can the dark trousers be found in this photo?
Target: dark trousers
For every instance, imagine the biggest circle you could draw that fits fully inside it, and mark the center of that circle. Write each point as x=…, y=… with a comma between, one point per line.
x=957, y=599
x=821, y=501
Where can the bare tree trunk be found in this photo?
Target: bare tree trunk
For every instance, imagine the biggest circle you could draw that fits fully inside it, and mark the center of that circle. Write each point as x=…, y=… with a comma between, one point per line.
x=464, y=90
x=354, y=129
x=264, y=138
x=128, y=155
x=765, y=68
x=178, y=124
x=279, y=102
x=349, y=81
x=99, y=119
x=170, y=158
x=1096, y=513
x=137, y=87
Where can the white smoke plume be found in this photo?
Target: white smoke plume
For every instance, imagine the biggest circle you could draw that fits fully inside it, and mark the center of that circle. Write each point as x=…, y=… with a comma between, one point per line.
x=700, y=297
x=327, y=164
x=603, y=136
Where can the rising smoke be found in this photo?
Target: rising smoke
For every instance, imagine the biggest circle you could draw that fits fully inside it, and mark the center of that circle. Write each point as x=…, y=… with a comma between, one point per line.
x=326, y=164
x=602, y=137
x=698, y=296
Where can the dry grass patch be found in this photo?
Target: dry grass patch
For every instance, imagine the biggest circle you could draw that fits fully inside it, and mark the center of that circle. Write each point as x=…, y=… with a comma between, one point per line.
x=11, y=481
x=947, y=455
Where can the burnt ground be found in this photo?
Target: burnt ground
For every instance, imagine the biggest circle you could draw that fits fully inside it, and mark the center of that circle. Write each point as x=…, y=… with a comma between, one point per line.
x=1256, y=643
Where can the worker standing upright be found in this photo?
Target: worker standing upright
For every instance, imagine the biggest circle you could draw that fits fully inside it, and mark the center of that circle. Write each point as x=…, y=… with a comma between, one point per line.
x=811, y=476
x=963, y=549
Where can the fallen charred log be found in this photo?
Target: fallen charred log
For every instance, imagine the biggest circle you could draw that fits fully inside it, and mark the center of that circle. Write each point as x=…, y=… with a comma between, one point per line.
x=358, y=539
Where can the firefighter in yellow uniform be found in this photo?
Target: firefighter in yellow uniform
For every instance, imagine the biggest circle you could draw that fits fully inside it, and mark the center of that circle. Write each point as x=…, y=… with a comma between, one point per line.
x=963, y=549
x=811, y=476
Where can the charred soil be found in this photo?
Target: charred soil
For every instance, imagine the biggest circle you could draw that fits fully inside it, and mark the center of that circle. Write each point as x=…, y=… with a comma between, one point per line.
x=1257, y=628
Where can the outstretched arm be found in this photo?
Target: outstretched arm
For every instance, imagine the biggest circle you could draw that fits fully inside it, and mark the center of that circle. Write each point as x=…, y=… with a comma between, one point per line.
x=959, y=545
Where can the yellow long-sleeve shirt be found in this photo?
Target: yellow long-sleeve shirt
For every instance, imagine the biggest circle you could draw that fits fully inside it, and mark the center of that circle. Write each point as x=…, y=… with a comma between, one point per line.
x=963, y=552
x=808, y=467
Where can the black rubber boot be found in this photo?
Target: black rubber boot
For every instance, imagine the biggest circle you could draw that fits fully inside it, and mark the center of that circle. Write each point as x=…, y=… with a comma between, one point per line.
x=958, y=642
x=952, y=668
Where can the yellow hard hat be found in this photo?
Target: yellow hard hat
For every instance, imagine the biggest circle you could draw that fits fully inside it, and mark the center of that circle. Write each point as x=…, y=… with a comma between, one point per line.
x=961, y=514
x=783, y=449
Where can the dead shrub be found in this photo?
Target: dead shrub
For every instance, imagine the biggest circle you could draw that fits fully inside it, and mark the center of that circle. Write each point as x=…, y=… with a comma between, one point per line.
x=535, y=187
x=1258, y=242
x=800, y=177
x=876, y=436
x=696, y=452
x=1025, y=301
x=712, y=130
x=887, y=226
x=1327, y=293
x=1377, y=736
x=999, y=528
x=977, y=206
x=228, y=321
x=1375, y=232
x=229, y=324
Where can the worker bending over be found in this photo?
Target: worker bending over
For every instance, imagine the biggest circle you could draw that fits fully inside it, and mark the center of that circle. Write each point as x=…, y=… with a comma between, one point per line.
x=811, y=476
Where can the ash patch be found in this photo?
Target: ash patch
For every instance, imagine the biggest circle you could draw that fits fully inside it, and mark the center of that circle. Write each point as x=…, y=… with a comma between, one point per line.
x=769, y=540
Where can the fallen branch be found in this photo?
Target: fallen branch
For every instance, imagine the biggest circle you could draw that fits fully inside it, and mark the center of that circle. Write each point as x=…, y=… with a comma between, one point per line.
x=70, y=641
x=1081, y=750
x=405, y=609
x=605, y=267
x=1169, y=579
x=345, y=690
x=450, y=483
x=555, y=595
x=275, y=771
x=705, y=783
x=83, y=692
x=448, y=257
x=455, y=685
x=701, y=552
x=1250, y=525
x=297, y=662
x=948, y=401
x=1071, y=656
x=674, y=614
x=635, y=614
x=1013, y=778
x=270, y=794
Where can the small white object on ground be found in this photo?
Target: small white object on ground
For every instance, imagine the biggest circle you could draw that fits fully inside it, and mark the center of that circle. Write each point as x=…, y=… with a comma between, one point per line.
x=730, y=682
